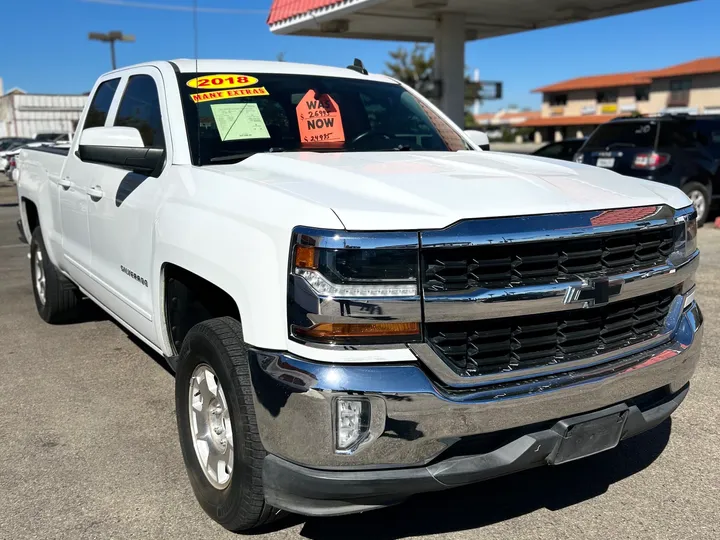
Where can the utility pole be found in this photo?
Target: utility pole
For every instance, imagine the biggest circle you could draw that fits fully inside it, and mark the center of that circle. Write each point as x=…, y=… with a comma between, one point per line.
x=111, y=37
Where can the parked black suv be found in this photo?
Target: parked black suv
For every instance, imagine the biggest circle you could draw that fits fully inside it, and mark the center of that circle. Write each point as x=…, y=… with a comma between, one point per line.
x=682, y=151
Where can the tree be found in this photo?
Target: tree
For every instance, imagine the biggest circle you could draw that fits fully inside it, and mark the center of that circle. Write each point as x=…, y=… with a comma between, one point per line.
x=415, y=68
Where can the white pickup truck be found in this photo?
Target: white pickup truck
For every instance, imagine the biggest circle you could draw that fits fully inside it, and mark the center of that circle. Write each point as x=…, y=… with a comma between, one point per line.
x=359, y=303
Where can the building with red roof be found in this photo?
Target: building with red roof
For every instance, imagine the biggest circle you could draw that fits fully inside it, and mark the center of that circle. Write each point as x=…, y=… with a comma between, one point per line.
x=574, y=108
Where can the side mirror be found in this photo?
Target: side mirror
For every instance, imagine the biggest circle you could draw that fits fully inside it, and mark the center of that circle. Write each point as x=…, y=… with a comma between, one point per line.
x=479, y=138
x=120, y=147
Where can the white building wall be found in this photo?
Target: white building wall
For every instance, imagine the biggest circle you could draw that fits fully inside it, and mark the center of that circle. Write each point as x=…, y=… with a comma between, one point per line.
x=26, y=115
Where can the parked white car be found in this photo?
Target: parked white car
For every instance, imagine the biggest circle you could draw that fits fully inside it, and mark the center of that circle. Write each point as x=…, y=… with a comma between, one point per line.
x=359, y=303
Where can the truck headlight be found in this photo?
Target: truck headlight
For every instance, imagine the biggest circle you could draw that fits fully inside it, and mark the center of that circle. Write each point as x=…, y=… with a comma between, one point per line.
x=354, y=288
x=352, y=273
x=686, y=237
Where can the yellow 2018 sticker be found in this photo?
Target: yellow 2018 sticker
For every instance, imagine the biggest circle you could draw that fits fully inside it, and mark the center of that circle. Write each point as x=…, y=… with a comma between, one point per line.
x=221, y=80
x=228, y=94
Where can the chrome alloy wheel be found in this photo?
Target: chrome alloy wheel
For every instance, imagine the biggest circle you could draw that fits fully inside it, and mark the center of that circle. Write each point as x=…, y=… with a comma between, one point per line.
x=698, y=200
x=39, y=276
x=210, y=426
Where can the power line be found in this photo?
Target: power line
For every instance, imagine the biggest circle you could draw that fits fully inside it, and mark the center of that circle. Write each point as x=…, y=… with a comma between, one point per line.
x=175, y=7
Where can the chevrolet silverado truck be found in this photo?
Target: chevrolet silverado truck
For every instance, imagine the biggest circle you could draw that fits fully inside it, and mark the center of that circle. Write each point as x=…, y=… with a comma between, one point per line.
x=359, y=303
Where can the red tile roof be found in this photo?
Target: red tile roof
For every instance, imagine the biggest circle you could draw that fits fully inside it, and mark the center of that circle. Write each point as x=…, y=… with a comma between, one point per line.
x=505, y=117
x=587, y=120
x=522, y=114
x=484, y=116
x=695, y=67
x=287, y=9
x=598, y=81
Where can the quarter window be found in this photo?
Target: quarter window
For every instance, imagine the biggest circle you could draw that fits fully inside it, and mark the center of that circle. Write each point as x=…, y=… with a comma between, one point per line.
x=140, y=108
x=100, y=105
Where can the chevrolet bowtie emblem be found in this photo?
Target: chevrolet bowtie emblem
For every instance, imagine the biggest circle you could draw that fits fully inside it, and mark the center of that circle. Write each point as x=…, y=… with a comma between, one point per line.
x=594, y=293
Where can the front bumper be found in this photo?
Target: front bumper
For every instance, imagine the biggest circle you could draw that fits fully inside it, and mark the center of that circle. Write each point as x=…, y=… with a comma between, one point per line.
x=316, y=492
x=414, y=419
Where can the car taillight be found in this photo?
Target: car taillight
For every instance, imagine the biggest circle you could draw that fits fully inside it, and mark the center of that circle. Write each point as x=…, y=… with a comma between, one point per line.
x=650, y=161
x=12, y=161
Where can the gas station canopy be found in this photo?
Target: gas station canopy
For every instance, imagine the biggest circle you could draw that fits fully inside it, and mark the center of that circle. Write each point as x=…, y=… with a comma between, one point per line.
x=415, y=20
x=446, y=23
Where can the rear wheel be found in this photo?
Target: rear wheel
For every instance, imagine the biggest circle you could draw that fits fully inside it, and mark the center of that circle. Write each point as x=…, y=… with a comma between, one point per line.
x=217, y=426
x=56, y=297
x=700, y=197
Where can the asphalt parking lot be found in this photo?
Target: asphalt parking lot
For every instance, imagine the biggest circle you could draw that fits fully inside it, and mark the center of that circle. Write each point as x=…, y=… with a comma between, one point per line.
x=89, y=449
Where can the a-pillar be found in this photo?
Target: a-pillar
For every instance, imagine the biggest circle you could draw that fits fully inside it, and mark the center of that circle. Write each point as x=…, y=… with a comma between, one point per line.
x=450, y=65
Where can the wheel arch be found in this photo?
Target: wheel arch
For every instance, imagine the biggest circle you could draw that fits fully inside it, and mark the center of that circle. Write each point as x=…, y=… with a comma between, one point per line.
x=188, y=299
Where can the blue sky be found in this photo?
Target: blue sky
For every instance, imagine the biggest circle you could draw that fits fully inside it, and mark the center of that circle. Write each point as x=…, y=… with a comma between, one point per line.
x=46, y=48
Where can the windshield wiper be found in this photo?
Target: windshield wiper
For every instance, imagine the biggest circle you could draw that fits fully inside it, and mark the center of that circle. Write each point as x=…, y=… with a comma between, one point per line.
x=402, y=147
x=244, y=155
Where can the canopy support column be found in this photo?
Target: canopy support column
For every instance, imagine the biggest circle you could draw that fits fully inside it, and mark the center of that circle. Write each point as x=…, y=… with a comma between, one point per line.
x=450, y=64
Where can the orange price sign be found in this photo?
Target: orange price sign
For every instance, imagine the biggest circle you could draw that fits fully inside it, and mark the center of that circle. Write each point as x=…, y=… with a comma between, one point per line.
x=319, y=119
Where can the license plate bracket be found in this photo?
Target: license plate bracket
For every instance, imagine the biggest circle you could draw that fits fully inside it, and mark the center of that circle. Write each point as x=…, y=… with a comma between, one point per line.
x=583, y=436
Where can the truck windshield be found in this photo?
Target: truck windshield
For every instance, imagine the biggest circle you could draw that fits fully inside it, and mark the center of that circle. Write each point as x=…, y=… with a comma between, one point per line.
x=637, y=134
x=232, y=116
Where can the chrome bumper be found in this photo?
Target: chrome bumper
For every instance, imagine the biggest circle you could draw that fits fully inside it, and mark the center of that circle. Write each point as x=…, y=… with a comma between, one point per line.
x=413, y=419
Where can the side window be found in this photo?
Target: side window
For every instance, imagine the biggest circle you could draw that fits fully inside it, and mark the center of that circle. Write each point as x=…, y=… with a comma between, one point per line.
x=676, y=135
x=554, y=150
x=100, y=105
x=140, y=108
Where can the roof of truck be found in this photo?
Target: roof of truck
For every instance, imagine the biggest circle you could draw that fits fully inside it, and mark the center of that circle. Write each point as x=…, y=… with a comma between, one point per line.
x=189, y=65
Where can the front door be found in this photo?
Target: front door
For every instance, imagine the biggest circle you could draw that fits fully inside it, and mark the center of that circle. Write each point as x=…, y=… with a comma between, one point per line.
x=121, y=209
x=72, y=189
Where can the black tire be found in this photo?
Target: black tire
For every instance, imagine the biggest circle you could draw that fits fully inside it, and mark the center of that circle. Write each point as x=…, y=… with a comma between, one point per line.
x=62, y=297
x=697, y=187
x=241, y=505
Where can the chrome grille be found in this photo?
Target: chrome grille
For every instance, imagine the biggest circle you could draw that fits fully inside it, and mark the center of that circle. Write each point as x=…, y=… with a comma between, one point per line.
x=500, y=266
x=492, y=346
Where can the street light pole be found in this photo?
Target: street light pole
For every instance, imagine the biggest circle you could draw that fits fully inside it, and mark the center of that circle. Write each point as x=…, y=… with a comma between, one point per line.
x=111, y=37
x=112, y=53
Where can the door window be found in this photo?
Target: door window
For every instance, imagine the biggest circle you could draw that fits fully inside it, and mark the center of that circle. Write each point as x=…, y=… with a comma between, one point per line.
x=100, y=105
x=676, y=136
x=140, y=108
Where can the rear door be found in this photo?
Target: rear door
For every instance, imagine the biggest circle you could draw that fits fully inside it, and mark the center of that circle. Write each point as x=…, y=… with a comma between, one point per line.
x=122, y=206
x=614, y=145
x=72, y=186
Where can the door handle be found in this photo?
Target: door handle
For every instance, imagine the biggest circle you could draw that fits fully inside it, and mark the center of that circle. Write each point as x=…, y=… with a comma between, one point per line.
x=65, y=183
x=95, y=193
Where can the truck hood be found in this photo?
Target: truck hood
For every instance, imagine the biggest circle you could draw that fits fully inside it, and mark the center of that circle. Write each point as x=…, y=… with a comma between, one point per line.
x=428, y=190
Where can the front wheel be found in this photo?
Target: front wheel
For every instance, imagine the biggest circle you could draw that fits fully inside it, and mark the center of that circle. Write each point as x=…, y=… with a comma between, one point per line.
x=700, y=197
x=217, y=426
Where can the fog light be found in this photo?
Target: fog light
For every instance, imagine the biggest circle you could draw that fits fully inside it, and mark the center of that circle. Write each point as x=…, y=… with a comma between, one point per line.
x=352, y=423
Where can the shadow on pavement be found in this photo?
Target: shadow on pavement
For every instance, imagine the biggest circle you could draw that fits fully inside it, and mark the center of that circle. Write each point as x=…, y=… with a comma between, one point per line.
x=159, y=358
x=497, y=500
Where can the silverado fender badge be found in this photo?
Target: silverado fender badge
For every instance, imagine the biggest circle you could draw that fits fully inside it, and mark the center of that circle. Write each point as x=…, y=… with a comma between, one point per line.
x=593, y=293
